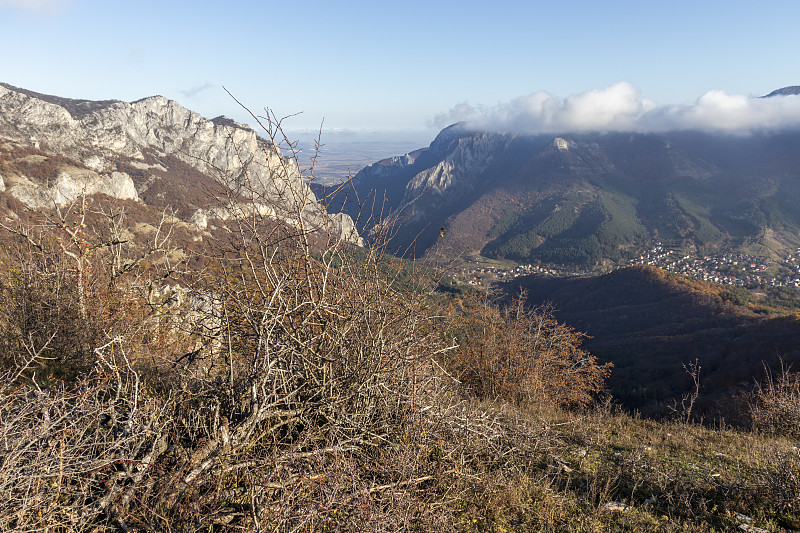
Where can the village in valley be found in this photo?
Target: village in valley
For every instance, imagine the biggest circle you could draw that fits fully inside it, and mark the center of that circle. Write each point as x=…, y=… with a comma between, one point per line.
x=737, y=269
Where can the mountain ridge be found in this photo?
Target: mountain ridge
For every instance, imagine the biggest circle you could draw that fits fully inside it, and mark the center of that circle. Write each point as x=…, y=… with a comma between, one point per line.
x=586, y=198
x=76, y=107
x=118, y=146
x=784, y=91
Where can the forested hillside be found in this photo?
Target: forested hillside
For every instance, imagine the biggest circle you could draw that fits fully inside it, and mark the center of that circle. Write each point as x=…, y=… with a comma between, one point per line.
x=651, y=323
x=582, y=199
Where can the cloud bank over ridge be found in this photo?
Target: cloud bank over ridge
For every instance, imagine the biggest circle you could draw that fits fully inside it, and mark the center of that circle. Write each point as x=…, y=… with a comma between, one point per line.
x=621, y=107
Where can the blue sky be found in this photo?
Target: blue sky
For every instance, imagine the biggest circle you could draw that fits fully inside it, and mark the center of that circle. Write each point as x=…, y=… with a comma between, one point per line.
x=406, y=65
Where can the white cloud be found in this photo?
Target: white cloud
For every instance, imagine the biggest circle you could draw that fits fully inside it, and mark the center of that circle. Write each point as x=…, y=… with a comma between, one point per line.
x=621, y=107
x=461, y=112
x=34, y=6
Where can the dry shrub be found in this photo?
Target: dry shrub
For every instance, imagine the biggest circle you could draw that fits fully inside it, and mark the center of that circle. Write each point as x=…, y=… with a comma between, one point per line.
x=71, y=283
x=43, y=309
x=308, y=396
x=774, y=403
x=522, y=355
x=72, y=453
x=780, y=481
x=313, y=371
x=265, y=396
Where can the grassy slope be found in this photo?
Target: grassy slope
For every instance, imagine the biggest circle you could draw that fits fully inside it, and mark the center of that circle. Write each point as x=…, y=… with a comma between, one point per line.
x=673, y=477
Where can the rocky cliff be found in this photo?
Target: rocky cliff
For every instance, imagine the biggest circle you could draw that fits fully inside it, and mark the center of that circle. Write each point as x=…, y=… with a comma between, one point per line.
x=154, y=150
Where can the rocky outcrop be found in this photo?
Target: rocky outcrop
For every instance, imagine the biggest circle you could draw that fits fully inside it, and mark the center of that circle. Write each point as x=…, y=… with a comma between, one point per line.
x=338, y=225
x=99, y=136
x=388, y=166
x=69, y=186
x=468, y=158
x=343, y=227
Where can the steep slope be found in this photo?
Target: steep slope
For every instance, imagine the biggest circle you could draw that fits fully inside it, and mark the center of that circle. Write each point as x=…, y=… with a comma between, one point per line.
x=588, y=198
x=421, y=190
x=153, y=150
x=650, y=323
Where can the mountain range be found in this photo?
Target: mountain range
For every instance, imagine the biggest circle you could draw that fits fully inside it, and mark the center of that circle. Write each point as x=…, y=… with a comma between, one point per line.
x=586, y=198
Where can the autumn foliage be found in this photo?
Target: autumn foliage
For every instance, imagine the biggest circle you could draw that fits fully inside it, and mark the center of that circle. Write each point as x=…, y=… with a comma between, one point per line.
x=521, y=355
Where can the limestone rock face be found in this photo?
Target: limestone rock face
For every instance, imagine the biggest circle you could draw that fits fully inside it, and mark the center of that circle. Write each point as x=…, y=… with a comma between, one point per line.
x=26, y=119
x=467, y=159
x=338, y=225
x=70, y=185
x=344, y=228
x=388, y=166
x=103, y=133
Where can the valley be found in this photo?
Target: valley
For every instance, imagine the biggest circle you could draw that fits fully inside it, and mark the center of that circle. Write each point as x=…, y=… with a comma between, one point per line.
x=736, y=269
x=343, y=155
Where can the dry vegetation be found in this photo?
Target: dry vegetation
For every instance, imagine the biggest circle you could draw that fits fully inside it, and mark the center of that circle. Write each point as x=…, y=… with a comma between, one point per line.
x=773, y=404
x=521, y=355
x=286, y=385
